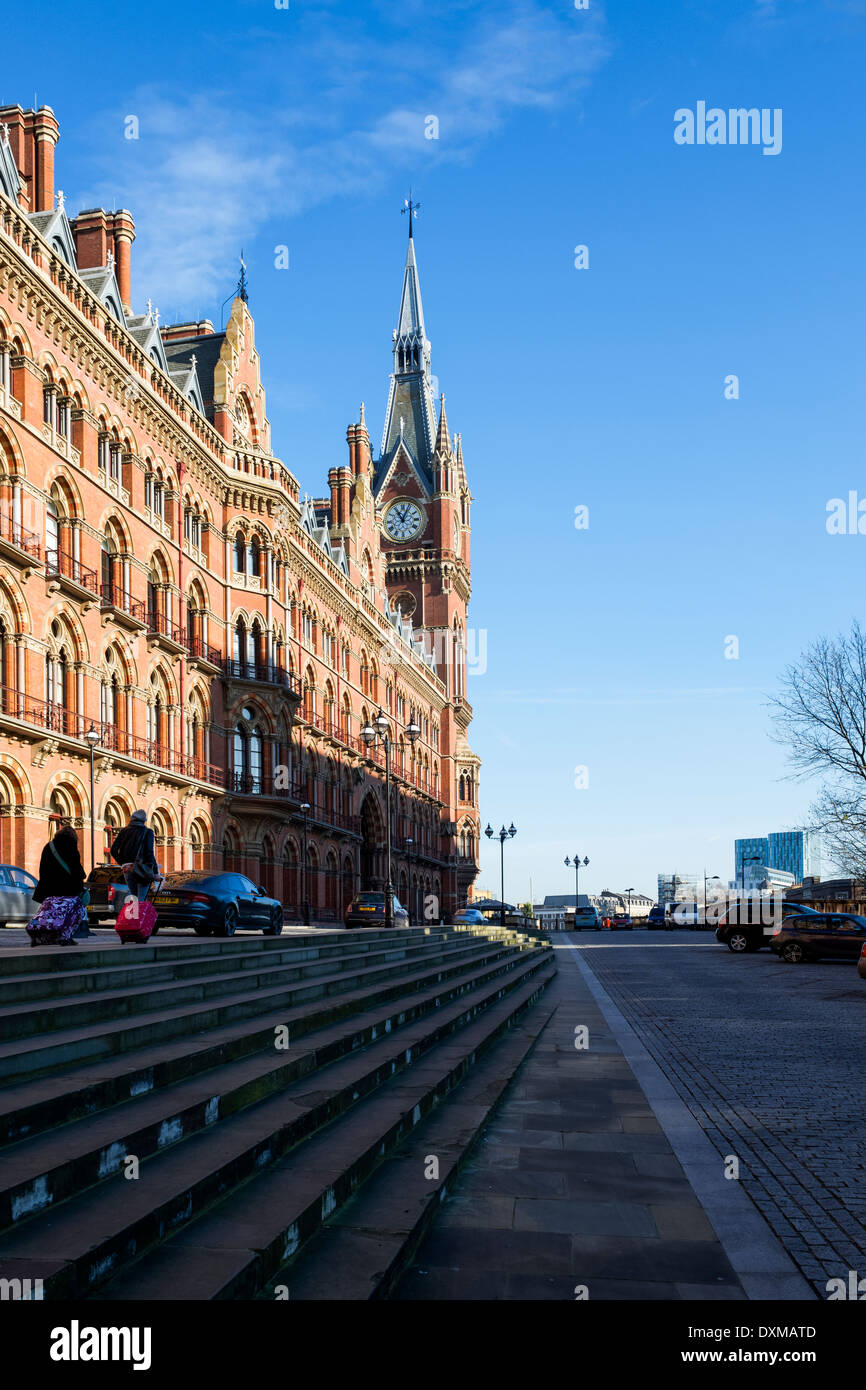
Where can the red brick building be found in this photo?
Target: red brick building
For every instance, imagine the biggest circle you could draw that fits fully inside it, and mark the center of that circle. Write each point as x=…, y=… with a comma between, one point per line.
x=163, y=584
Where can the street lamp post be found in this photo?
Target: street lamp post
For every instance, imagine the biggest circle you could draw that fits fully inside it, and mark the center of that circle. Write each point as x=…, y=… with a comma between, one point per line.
x=501, y=837
x=409, y=843
x=92, y=737
x=577, y=862
x=714, y=878
x=748, y=859
x=629, y=891
x=305, y=902
x=379, y=732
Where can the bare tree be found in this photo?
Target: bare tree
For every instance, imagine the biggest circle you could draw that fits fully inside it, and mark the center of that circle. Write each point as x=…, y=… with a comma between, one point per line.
x=820, y=715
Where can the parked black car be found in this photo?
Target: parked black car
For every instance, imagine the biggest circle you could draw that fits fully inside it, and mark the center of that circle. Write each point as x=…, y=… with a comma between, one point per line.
x=836, y=935
x=748, y=935
x=368, y=910
x=216, y=904
x=656, y=917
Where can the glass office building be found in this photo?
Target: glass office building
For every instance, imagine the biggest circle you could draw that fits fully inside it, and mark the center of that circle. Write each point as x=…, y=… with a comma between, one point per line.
x=796, y=852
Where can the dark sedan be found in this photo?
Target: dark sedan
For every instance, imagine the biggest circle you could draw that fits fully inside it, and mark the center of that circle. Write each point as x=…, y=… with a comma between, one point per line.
x=820, y=935
x=216, y=904
x=368, y=910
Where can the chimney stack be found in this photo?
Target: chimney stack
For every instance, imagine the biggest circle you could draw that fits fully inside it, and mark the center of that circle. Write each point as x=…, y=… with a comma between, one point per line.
x=124, y=235
x=93, y=238
x=46, y=133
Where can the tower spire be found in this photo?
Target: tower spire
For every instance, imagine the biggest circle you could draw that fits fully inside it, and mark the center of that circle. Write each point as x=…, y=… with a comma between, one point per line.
x=443, y=442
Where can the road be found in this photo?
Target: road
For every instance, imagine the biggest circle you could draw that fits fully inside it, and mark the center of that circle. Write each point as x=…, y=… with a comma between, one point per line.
x=769, y=1059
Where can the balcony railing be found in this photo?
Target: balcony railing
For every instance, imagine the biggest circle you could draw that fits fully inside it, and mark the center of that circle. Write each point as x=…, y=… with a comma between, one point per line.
x=200, y=650
x=56, y=719
x=160, y=626
x=113, y=596
x=264, y=784
x=267, y=672
x=60, y=564
x=15, y=534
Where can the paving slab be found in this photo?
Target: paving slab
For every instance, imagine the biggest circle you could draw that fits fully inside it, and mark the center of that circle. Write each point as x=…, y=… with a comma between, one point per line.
x=576, y=1190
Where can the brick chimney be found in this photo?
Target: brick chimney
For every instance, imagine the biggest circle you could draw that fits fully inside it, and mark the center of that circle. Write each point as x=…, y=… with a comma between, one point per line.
x=124, y=235
x=93, y=237
x=32, y=137
x=46, y=133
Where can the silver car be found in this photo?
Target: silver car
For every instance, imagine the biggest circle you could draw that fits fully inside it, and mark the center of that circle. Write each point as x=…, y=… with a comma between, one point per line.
x=16, y=895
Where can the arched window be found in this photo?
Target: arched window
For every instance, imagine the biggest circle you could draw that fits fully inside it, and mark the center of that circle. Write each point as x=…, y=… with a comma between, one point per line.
x=248, y=754
x=52, y=531
x=58, y=686
x=255, y=556
x=241, y=647
x=239, y=553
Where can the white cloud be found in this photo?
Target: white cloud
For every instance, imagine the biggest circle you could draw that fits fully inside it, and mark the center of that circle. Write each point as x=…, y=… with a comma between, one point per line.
x=207, y=173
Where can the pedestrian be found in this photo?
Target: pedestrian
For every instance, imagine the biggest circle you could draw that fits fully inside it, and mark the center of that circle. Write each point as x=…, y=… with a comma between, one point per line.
x=59, y=891
x=134, y=851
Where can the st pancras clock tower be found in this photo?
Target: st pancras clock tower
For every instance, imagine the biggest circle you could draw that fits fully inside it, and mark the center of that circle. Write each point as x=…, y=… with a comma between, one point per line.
x=423, y=501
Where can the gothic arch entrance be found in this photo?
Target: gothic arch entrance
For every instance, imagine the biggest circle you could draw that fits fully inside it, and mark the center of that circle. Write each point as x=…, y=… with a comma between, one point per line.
x=372, y=842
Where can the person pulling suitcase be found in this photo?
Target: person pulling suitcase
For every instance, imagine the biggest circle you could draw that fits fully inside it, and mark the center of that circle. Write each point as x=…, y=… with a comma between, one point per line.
x=134, y=851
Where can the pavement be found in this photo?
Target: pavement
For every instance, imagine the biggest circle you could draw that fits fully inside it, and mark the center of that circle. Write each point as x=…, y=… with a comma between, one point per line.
x=595, y=1180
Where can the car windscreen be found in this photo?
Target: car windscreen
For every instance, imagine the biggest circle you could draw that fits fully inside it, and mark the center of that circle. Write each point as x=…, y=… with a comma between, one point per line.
x=376, y=899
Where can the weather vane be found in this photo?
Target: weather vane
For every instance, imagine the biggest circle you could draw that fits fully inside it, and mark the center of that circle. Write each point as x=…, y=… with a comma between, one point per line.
x=411, y=208
x=242, y=279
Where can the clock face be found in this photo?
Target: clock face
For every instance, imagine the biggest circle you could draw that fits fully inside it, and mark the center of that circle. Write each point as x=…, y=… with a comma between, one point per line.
x=403, y=520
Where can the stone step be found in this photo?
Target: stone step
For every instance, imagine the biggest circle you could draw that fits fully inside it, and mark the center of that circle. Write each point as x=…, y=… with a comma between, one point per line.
x=60, y=960
x=43, y=1170
x=33, y=1105
x=33, y=1056
x=232, y=1251
x=77, y=1245
x=363, y=1249
x=48, y=1015
x=119, y=971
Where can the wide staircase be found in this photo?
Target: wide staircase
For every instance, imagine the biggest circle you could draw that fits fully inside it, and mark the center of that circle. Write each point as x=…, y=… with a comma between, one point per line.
x=251, y=1117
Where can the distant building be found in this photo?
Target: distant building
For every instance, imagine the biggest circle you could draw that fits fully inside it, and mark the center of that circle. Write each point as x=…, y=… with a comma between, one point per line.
x=556, y=907
x=678, y=888
x=794, y=852
x=610, y=903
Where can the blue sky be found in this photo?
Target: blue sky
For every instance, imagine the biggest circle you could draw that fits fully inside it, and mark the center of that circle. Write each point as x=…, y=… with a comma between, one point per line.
x=304, y=127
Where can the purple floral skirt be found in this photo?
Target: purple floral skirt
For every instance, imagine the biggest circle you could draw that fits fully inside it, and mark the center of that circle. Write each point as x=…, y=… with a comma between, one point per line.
x=56, y=921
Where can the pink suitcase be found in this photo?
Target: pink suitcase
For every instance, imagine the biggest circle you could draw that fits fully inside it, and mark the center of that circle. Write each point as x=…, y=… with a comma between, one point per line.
x=136, y=921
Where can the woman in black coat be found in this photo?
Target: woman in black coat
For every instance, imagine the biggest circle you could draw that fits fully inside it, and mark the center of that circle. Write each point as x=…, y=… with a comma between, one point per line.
x=61, y=879
x=61, y=872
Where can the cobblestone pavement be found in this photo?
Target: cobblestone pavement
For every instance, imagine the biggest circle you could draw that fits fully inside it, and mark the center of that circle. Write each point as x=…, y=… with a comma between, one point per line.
x=769, y=1059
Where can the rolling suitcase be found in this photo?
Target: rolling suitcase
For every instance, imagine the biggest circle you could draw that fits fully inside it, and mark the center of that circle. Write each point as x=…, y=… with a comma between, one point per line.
x=136, y=921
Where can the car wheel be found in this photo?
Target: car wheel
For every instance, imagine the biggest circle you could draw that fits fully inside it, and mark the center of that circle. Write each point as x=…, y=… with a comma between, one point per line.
x=793, y=953
x=738, y=942
x=276, y=925
x=230, y=922
x=202, y=931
